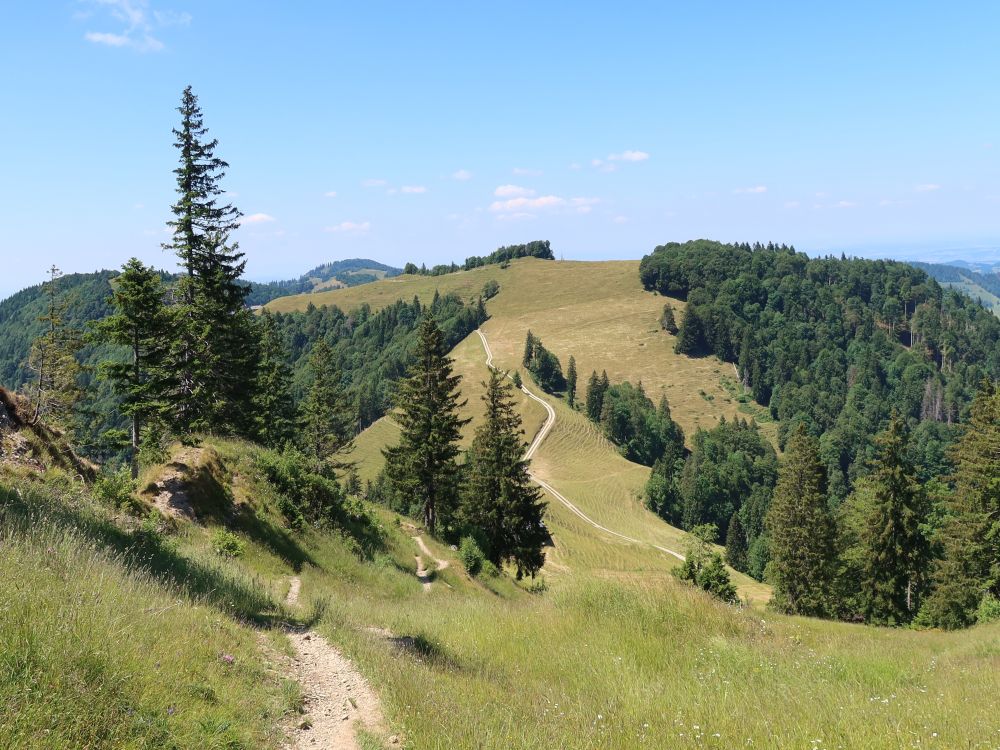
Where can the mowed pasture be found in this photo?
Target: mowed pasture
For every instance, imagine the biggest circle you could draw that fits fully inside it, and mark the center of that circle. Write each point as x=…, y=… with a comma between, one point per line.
x=597, y=312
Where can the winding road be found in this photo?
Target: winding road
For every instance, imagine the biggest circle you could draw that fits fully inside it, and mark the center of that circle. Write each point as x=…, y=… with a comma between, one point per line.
x=550, y=421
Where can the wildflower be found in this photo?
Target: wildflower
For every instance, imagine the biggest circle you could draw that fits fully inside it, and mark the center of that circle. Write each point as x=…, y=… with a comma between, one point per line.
x=228, y=658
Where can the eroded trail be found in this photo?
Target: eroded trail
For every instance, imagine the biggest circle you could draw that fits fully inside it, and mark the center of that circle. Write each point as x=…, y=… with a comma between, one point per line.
x=536, y=443
x=337, y=698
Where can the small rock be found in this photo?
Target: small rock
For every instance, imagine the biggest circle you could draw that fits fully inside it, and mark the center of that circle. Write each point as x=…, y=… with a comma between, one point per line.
x=394, y=740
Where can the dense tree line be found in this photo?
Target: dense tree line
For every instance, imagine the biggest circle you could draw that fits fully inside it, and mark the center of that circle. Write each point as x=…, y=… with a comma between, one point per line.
x=502, y=255
x=832, y=343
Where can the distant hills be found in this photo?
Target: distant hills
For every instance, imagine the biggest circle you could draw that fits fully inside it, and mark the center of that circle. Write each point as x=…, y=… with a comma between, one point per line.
x=339, y=273
x=979, y=280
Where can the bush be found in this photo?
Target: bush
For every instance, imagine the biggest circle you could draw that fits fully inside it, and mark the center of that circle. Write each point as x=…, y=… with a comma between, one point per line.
x=304, y=495
x=489, y=570
x=989, y=609
x=117, y=489
x=537, y=586
x=228, y=544
x=490, y=289
x=471, y=555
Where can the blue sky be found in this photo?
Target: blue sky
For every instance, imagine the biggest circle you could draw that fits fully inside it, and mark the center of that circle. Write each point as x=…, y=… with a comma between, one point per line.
x=434, y=131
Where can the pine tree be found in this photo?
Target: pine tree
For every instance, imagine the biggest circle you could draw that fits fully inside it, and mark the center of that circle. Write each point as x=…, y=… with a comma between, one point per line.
x=596, y=388
x=970, y=567
x=423, y=466
x=273, y=402
x=52, y=360
x=327, y=424
x=214, y=352
x=703, y=567
x=736, y=544
x=141, y=322
x=667, y=320
x=499, y=498
x=801, y=531
x=895, y=551
x=571, y=381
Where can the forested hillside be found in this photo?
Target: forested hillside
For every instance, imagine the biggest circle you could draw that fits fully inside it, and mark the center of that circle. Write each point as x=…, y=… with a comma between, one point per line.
x=980, y=284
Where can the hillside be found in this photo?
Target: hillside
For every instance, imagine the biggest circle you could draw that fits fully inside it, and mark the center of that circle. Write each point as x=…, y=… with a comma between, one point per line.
x=598, y=660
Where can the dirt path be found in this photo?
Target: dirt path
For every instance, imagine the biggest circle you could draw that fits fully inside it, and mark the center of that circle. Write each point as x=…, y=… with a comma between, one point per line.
x=337, y=699
x=422, y=575
x=441, y=564
x=550, y=421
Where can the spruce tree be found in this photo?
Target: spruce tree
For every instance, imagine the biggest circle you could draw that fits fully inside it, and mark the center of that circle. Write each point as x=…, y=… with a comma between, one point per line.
x=529, y=351
x=423, y=466
x=667, y=320
x=596, y=388
x=970, y=567
x=499, y=499
x=327, y=424
x=691, y=335
x=141, y=322
x=736, y=544
x=895, y=551
x=571, y=381
x=214, y=353
x=801, y=532
x=273, y=404
x=52, y=360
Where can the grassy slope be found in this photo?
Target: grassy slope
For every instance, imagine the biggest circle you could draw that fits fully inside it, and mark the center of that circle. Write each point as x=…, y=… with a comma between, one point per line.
x=592, y=663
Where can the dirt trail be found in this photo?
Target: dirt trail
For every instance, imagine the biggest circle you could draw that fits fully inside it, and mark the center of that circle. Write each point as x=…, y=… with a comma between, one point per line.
x=422, y=574
x=337, y=699
x=550, y=421
x=171, y=497
x=441, y=564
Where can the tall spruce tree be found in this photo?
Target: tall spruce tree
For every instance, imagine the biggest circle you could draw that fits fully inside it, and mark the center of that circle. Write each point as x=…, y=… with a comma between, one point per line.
x=691, y=335
x=801, y=532
x=596, y=388
x=423, y=466
x=327, y=422
x=214, y=353
x=499, y=498
x=52, y=360
x=141, y=322
x=970, y=567
x=273, y=403
x=667, y=321
x=571, y=381
x=529, y=350
x=736, y=544
x=895, y=551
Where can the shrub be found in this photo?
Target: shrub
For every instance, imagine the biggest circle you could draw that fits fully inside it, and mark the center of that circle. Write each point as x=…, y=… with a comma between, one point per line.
x=471, y=555
x=304, y=495
x=228, y=544
x=989, y=609
x=117, y=489
x=489, y=570
x=537, y=585
x=490, y=289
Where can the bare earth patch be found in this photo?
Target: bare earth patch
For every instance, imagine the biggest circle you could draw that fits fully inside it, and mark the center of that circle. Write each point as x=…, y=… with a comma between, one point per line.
x=172, y=498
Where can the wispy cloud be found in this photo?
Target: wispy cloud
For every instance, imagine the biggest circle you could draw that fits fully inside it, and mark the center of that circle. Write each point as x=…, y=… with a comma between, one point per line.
x=928, y=187
x=416, y=189
x=629, y=156
x=349, y=226
x=584, y=205
x=751, y=190
x=138, y=25
x=330, y=194
x=374, y=183
x=514, y=204
x=791, y=204
x=620, y=220
x=462, y=175
x=525, y=172
x=845, y=204
x=513, y=191
x=258, y=219
x=516, y=216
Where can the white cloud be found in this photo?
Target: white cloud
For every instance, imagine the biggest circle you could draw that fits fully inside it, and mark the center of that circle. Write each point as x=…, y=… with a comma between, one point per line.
x=516, y=216
x=461, y=175
x=414, y=189
x=513, y=191
x=138, y=24
x=349, y=226
x=629, y=156
x=373, y=183
x=524, y=172
x=585, y=205
x=846, y=204
x=515, y=204
x=791, y=204
x=575, y=166
x=926, y=188
x=620, y=220
x=258, y=219
x=756, y=189
x=330, y=194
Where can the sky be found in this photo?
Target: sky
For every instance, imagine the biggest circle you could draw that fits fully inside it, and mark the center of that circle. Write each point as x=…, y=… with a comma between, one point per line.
x=434, y=131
